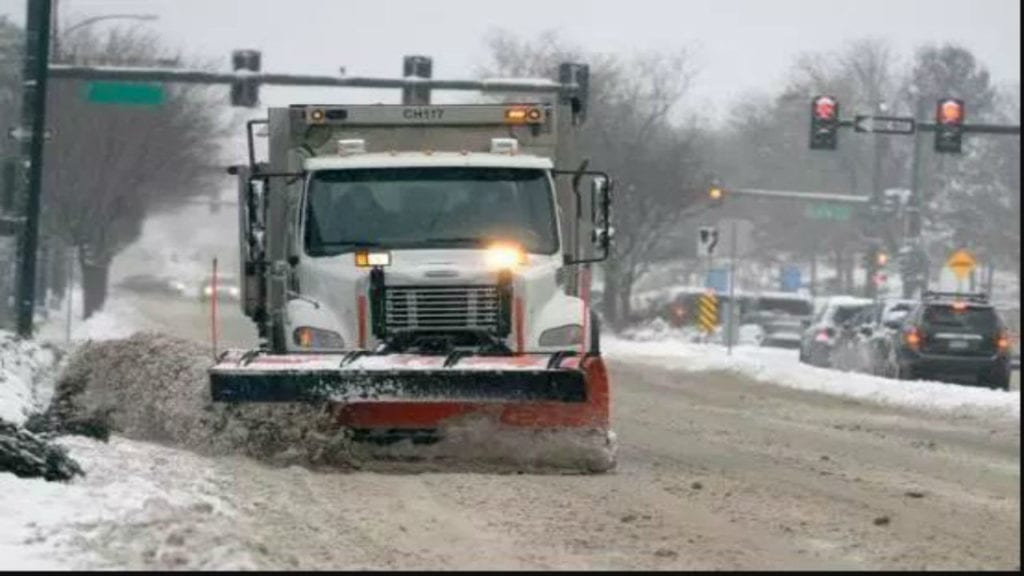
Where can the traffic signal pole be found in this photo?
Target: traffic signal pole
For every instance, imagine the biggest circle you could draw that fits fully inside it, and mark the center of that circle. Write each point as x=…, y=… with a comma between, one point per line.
x=872, y=269
x=948, y=128
x=33, y=118
x=915, y=215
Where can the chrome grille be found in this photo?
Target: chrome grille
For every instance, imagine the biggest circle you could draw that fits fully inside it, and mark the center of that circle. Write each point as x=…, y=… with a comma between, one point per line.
x=441, y=307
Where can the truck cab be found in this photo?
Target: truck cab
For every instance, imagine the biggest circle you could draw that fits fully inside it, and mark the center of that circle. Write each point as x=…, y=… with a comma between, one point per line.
x=425, y=229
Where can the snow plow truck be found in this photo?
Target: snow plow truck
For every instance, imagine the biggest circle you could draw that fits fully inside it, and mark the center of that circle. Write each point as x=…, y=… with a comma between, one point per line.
x=409, y=266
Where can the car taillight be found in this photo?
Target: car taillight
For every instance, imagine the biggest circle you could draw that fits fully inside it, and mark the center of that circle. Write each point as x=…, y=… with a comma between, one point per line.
x=824, y=335
x=1003, y=342
x=913, y=338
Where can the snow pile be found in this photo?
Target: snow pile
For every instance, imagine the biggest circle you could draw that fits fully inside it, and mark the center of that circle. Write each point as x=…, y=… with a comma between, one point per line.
x=782, y=368
x=155, y=387
x=23, y=366
x=117, y=319
x=138, y=507
x=658, y=330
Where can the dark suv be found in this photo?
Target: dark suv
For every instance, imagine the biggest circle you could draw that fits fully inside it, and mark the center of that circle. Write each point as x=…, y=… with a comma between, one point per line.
x=953, y=338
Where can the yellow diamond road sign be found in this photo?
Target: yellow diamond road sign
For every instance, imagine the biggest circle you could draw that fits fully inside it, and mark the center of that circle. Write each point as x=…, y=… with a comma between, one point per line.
x=961, y=263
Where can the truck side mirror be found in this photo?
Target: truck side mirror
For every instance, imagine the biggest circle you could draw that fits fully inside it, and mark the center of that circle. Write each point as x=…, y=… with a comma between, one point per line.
x=600, y=212
x=255, y=219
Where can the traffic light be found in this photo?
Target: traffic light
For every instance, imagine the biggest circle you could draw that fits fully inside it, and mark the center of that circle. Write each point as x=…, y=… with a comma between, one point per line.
x=949, y=119
x=716, y=195
x=824, y=123
x=245, y=92
x=419, y=67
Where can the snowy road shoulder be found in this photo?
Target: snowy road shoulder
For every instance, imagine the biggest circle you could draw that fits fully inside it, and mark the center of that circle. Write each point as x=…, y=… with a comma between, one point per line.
x=782, y=368
x=139, y=506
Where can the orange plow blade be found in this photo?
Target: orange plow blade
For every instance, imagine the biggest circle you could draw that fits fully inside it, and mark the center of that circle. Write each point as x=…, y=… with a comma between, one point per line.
x=514, y=408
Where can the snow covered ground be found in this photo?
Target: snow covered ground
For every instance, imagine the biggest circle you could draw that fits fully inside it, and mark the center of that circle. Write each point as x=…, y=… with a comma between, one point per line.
x=21, y=365
x=39, y=520
x=782, y=368
x=138, y=503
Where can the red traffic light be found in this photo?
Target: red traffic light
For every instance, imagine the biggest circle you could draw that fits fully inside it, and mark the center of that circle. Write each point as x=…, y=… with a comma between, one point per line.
x=950, y=111
x=825, y=107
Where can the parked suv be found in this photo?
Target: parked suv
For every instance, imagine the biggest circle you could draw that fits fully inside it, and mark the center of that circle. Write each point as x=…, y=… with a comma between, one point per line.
x=957, y=338
x=868, y=347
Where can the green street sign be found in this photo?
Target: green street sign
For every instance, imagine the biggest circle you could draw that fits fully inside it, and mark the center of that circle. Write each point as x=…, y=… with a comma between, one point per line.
x=125, y=93
x=834, y=212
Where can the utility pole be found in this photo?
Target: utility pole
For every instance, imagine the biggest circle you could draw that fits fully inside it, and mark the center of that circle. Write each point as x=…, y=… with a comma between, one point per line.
x=871, y=270
x=733, y=306
x=915, y=214
x=33, y=119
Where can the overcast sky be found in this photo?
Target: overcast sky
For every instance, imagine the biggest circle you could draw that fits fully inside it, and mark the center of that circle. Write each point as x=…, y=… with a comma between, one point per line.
x=739, y=45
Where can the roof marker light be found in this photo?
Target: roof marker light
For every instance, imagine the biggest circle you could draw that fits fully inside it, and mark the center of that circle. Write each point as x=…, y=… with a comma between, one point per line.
x=353, y=146
x=508, y=146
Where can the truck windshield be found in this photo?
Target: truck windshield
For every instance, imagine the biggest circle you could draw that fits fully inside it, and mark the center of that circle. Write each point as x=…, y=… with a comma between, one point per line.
x=416, y=208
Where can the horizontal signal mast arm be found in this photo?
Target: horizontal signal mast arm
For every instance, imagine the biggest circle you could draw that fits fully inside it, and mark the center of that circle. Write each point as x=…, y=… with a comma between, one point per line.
x=154, y=74
x=825, y=196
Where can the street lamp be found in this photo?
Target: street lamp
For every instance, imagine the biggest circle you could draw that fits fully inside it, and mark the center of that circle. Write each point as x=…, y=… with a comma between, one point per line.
x=93, y=20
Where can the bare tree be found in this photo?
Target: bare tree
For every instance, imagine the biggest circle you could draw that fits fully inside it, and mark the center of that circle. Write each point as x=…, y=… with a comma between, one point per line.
x=962, y=199
x=630, y=133
x=109, y=166
x=765, y=145
x=11, y=54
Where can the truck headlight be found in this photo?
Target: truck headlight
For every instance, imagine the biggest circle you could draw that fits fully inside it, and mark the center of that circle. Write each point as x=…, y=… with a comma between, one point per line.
x=317, y=339
x=504, y=256
x=562, y=336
